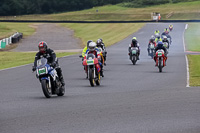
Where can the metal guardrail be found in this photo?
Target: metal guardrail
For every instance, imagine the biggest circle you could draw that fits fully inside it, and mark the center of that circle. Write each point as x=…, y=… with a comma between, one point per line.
x=15, y=38
x=137, y=21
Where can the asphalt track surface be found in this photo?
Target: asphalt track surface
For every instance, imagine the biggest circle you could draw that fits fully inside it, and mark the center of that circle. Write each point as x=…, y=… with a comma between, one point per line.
x=57, y=38
x=131, y=99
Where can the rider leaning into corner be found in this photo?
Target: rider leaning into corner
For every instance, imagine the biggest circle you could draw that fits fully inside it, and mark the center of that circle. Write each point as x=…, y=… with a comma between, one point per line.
x=102, y=45
x=93, y=50
x=158, y=47
x=134, y=43
x=49, y=54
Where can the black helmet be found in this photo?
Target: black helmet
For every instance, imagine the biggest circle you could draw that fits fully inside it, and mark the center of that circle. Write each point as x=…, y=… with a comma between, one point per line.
x=42, y=47
x=88, y=42
x=99, y=42
x=134, y=41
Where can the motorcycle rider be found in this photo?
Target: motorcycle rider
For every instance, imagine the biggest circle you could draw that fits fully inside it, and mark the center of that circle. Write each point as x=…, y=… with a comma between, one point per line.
x=134, y=43
x=86, y=48
x=158, y=38
x=49, y=54
x=152, y=40
x=102, y=45
x=92, y=49
x=158, y=47
x=165, y=40
x=166, y=33
x=156, y=32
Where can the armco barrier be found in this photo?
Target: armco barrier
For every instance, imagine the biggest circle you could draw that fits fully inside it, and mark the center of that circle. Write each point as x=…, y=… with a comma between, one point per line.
x=12, y=39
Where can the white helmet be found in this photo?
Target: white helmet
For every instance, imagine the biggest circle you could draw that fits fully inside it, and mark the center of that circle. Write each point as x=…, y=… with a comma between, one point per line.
x=92, y=46
x=164, y=37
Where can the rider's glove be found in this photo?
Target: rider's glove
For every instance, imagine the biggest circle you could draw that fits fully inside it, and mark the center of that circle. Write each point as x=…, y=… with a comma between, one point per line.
x=34, y=68
x=53, y=64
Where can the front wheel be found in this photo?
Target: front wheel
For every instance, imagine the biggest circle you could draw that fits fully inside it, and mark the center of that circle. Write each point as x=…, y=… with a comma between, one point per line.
x=91, y=77
x=160, y=66
x=98, y=79
x=46, y=89
x=133, y=59
x=61, y=91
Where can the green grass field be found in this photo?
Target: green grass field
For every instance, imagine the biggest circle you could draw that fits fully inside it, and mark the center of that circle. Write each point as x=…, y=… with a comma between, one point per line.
x=13, y=59
x=110, y=33
x=7, y=29
x=194, y=65
x=193, y=44
x=192, y=37
x=184, y=10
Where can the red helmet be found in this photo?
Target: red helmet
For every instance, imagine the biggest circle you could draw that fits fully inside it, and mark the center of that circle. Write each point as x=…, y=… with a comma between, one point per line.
x=42, y=47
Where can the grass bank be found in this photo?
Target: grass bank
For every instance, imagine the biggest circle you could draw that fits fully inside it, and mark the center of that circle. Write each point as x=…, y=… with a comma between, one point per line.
x=192, y=37
x=183, y=10
x=13, y=59
x=7, y=29
x=194, y=65
x=110, y=33
x=193, y=44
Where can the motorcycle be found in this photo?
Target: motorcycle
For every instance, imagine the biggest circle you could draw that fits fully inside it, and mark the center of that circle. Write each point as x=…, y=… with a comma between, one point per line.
x=170, y=28
x=93, y=74
x=160, y=59
x=151, y=50
x=50, y=82
x=134, y=55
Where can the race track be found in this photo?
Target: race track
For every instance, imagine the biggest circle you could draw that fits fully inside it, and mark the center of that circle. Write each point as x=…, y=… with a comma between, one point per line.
x=131, y=99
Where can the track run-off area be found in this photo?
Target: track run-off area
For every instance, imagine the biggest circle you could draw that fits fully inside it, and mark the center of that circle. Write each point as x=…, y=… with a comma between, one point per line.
x=130, y=99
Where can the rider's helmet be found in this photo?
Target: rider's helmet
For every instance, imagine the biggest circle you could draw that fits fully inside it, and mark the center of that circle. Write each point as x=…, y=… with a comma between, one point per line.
x=152, y=39
x=157, y=35
x=164, y=38
x=157, y=31
x=88, y=43
x=160, y=43
x=99, y=42
x=134, y=41
x=92, y=46
x=42, y=47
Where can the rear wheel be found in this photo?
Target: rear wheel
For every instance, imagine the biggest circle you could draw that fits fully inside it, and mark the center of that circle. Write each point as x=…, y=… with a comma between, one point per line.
x=46, y=89
x=91, y=77
x=160, y=66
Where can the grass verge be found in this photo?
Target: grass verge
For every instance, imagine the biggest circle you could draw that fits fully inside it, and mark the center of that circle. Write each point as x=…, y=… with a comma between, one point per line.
x=183, y=10
x=194, y=65
x=7, y=29
x=13, y=59
x=110, y=33
x=192, y=37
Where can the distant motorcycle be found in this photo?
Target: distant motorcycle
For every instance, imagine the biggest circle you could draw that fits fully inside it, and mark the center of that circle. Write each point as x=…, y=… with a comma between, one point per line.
x=170, y=28
x=160, y=59
x=151, y=50
x=93, y=74
x=49, y=79
x=134, y=55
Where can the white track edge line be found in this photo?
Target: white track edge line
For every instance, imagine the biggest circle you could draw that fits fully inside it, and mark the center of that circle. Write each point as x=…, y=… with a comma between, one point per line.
x=186, y=58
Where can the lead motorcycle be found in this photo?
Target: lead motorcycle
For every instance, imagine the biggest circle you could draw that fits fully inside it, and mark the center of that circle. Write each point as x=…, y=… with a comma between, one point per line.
x=134, y=55
x=50, y=82
x=160, y=55
x=93, y=74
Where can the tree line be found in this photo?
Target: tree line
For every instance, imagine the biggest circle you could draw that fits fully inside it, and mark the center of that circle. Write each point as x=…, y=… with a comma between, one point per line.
x=22, y=7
